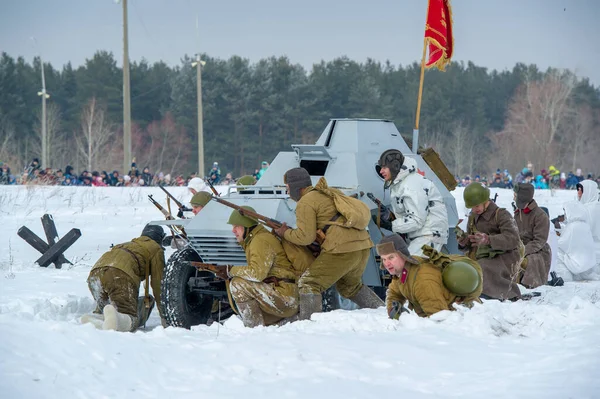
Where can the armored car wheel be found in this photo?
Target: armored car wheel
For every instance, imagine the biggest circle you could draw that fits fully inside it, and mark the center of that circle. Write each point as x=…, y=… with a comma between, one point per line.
x=181, y=306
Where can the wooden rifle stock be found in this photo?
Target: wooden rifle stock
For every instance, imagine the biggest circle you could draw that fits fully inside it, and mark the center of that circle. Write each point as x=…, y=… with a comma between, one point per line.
x=179, y=204
x=160, y=208
x=212, y=188
x=218, y=270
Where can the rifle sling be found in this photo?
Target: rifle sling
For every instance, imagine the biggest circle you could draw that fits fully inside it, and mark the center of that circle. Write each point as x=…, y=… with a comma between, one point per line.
x=333, y=219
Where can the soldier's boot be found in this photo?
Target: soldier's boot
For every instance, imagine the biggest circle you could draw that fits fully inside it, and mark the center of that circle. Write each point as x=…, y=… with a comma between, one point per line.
x=251, y=314
x=143, y=312
x=309, y=304
x=365, y=298
x=95, y=319
x=114, y=320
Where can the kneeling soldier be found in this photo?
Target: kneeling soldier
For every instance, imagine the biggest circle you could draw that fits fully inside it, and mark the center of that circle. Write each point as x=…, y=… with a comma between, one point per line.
x=115, y=279
x=430, y=284
x=264, y=291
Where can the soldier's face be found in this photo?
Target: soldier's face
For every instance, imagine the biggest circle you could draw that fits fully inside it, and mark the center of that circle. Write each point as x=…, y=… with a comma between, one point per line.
x=579, y=193
x=238, y=232
x=393, y=263
x=196, y=209
x=385, y=172
x=193, y=191
x=479, y=209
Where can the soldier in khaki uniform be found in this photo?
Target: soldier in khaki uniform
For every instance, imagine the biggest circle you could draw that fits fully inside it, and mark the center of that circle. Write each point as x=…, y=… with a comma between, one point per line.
x=114, y=281
x=534, y=227
x=344, y=253
x=265, y=291
x=421, y=281
x=492, y=239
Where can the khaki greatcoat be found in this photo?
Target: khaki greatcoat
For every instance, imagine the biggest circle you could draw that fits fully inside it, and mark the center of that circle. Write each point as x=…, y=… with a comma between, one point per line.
x=534, y=226
x=501, y=271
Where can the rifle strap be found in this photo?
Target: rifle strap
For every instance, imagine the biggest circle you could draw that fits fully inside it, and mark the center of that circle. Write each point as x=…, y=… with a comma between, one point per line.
x=333, y=219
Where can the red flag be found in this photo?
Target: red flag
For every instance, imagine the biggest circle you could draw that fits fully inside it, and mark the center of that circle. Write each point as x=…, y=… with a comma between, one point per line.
x=438, y=34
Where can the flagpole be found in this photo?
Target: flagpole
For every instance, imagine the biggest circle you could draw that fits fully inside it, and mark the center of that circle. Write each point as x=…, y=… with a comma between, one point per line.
x=415, y=141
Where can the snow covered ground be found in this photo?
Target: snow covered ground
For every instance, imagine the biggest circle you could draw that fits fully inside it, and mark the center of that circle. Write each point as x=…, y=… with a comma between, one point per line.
x=545, y=348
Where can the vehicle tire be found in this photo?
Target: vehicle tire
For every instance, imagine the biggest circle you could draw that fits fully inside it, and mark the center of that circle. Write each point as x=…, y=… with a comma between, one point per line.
x=181, y=307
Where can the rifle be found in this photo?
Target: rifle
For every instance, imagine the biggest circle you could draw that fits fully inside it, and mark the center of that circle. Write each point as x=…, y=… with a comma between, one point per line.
x=380, y=205
x=212, y=188
x=168, y=216
x=495, y=198
x=219, y=271
x=314, y=247
x=181, y=207
x=160, y=208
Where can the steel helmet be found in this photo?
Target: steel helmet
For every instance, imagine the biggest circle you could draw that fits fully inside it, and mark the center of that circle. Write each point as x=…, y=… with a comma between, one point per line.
x=475, y=194
x=237, y=219
x=460, y=278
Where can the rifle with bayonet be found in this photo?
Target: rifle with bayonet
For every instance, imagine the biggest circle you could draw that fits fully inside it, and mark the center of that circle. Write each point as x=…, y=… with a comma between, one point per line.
x=182, y=208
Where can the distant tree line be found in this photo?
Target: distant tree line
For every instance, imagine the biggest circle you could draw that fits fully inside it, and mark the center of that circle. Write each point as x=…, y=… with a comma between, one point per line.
x=477, y=119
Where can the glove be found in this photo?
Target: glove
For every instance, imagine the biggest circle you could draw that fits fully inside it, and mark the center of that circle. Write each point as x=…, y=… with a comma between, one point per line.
x=180, y=213
x=479, y=239
x=397, y=310
x=384, y=213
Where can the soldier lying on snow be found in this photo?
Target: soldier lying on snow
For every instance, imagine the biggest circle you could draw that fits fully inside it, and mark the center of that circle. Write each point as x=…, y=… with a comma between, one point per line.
x=114, y=282
x=431, y=283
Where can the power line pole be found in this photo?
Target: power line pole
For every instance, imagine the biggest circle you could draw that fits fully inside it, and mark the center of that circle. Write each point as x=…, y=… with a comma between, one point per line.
x=44, y=96
x=199, y=64
x=126, y=96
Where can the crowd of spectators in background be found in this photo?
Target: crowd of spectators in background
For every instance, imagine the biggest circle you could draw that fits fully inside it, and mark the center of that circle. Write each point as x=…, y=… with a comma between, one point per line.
x=35, y=174
x=550, y=178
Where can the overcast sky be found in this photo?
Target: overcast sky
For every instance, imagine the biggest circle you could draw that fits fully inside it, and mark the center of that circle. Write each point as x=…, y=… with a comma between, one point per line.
x=491, y=33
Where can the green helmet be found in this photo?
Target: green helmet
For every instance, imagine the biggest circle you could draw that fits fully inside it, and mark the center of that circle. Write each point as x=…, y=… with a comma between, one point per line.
x=201, y=199
x=475, y=194
x=237, y=219
x=247, y=180
x=460, y=278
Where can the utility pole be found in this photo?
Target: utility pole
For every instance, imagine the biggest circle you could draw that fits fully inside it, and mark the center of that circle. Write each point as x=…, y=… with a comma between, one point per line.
x=44, y=96
x=199, y=64
x=126, y=96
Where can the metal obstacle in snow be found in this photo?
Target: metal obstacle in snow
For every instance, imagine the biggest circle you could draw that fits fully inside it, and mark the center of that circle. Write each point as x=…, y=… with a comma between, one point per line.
x=52, y=251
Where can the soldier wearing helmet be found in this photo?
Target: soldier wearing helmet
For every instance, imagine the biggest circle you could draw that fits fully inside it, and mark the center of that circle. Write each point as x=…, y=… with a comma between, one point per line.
x=492, y=239
x=344, y=253
x=419, y=211
x=265, y=291
x=429, y=284
x=199, y=201
x=114, y=282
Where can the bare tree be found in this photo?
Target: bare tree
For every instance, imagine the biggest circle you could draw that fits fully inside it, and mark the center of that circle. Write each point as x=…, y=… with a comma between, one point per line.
x=536, y=117
x=57, y=140
x=96, y=133
x=581, y=128
x=7, y=139
x=460, y=148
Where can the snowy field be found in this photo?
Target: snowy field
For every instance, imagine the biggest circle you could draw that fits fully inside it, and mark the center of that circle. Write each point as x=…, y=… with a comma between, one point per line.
x=545, y=348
